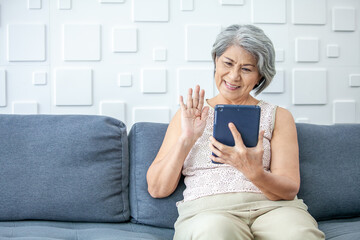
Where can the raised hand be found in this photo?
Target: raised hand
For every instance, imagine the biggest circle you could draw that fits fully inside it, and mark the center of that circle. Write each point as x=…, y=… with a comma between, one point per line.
x=193, y=114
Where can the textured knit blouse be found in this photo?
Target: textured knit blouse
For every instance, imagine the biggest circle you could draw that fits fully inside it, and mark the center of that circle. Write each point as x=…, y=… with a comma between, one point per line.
x=204, y=178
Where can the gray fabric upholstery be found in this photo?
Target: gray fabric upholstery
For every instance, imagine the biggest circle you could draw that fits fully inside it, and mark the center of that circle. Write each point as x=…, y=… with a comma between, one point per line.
x=341, y=229
x=329, y=167
x=80, y=231
x=63, y=167
x=145, y=140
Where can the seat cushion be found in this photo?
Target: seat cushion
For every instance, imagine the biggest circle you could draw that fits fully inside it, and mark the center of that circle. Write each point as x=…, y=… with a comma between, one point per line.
x=64, y=168
x=341, y=229
x=46, y=230
x=145, y=140
x=329, y=167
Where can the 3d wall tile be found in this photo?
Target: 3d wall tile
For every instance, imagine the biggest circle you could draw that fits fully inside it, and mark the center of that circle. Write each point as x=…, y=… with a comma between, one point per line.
x=25, y=108
x=64, y=4
x=344, y=111
x=307, y=50
x=115, y=109
x=199, y=41
x=125, y=39
x=153, y=80
x=2, y=88
x=232, y=2
x=332, y=51
x=156, y=114
x=309, y=86
x=26, y=42
x=268, y=11
x=73, y=87
x=309, y=12
x=111, y=1
x=189, y=78
x=279, y=55
x=187, y=5
x=81, y=42
x=150, y=10
x=277, y=84
x=34, y=4
x=39, y=78
x=125, y=79
x=159, y=54
x=343, y=19
x=302, y=120
x=354, y=80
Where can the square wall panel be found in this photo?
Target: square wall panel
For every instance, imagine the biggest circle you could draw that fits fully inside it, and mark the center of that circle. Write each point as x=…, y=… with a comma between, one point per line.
x=39, y=78
x=187, y=5
x=344, y=111
x=34, y=4
x=232, y=2
x=189, y=78
x=26, y=42
x=309, y=11
x=153, y=80
x=81, y=42
x=125, y=39
x=155, y=114
x=268, y=11
x=277, y=84
x=309, y=86
x=199, y=41
x=125, y=79
x=25, y=108
x=64, y=4
x=2, y=88
x=354, y=80
x=307, y=50
x=73, y=87
x=279, y=55
x=115, y=109
x=332, y=51
x=150, y=10
x=343, y=19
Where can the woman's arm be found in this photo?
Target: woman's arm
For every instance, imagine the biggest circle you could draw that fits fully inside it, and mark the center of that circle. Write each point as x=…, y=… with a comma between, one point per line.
x=184, y=129
x=283, y=180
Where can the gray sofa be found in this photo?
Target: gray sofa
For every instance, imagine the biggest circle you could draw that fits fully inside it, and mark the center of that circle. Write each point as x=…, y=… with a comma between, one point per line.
x=83, y=177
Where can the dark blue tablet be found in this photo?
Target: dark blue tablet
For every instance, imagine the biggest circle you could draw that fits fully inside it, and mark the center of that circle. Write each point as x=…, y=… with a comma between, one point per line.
x=246, y=119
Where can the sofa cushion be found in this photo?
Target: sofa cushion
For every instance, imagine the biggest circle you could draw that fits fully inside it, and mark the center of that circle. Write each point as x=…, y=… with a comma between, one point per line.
x=341, y=229
x=145, y=140
x=63, y=167
x=329, y=167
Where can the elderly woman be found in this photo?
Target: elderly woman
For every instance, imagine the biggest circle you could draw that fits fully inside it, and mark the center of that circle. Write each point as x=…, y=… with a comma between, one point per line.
x=252, y=195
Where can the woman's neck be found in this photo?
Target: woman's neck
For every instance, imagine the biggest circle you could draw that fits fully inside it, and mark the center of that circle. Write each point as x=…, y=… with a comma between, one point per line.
x=249, y=100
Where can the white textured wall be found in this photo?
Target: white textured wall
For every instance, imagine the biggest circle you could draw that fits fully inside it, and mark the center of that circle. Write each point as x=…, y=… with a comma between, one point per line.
x=130, y=59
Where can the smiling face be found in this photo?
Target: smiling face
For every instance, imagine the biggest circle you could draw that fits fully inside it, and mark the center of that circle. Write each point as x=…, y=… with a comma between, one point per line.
x=236, y=75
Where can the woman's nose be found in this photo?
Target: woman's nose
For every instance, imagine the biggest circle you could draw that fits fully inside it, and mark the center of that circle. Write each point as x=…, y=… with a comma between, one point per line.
x=234, y=75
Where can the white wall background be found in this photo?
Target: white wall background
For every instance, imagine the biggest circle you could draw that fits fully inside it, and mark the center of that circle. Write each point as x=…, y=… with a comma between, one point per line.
x=130, y=59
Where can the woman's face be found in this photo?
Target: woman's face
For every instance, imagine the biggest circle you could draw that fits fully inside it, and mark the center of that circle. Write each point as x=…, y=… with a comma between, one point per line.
x=236, y=73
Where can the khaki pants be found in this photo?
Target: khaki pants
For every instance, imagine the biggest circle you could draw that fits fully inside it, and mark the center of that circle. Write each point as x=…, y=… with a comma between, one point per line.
x=245, y=216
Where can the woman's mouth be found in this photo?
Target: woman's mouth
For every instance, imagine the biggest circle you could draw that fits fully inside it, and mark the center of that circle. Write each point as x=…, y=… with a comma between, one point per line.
x=230, y=86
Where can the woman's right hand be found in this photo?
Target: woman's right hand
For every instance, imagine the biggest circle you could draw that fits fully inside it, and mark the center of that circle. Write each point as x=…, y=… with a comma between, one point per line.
x=193, y=114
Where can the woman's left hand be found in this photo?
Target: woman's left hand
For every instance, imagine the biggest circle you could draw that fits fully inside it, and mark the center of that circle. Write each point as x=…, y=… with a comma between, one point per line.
x=247, y=160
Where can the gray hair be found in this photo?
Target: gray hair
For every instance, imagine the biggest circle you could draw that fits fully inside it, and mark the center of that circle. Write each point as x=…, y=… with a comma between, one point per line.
x=253, y=40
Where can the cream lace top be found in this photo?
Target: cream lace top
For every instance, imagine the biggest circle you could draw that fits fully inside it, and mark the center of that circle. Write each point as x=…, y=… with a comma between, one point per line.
x=204, y=178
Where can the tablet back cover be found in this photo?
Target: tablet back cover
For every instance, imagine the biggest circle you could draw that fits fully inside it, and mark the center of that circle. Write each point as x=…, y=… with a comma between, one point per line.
x=246, y=119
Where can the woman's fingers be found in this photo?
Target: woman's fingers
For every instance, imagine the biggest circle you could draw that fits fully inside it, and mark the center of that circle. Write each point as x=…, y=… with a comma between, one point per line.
x=182, y=105
x=196, y=97
x=189, y=99
x=201, y=99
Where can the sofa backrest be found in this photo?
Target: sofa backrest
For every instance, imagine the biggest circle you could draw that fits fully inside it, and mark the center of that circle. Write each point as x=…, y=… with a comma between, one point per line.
x=63, y=167
x=330, y=169
x=145, y=140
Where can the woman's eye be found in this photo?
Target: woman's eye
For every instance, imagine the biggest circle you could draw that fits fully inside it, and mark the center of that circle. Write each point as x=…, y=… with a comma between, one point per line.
x=246, y=69
x=227, y=63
